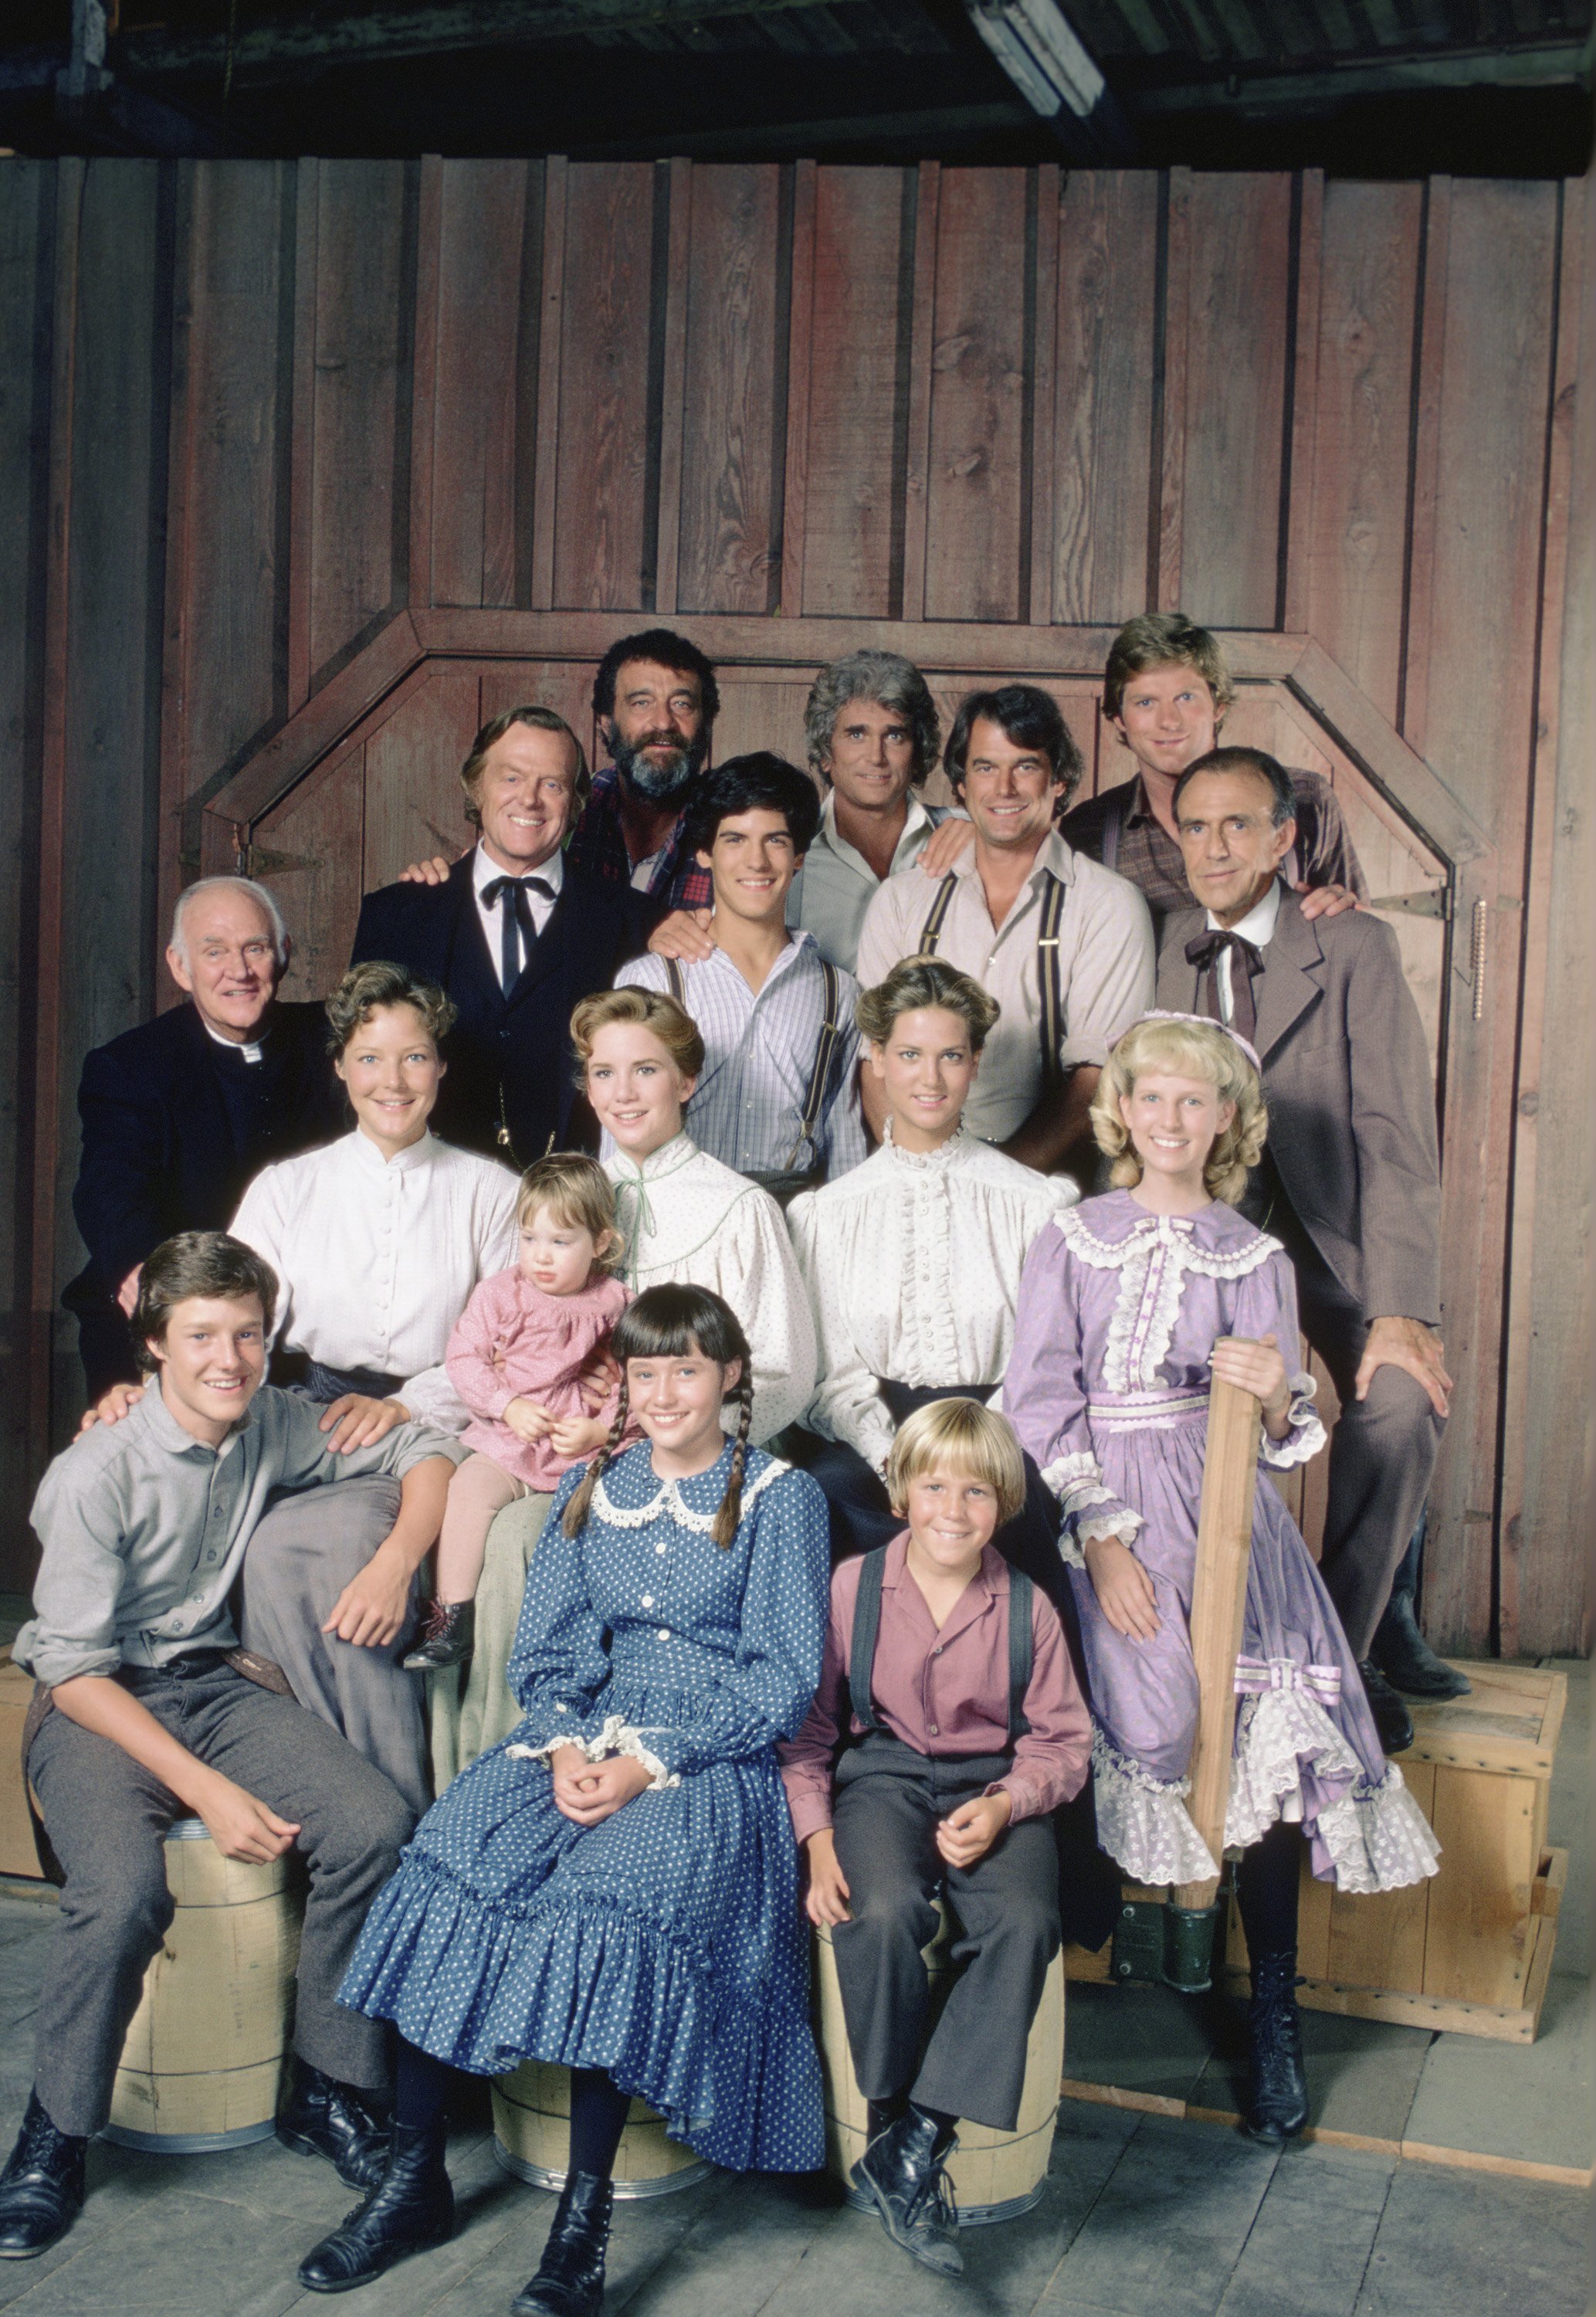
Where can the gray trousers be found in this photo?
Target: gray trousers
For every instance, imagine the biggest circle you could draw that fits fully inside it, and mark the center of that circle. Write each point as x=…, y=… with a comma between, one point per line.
x=888, y=1800
x=1382, y=1451
x=108, y=1817
x=300, y=1560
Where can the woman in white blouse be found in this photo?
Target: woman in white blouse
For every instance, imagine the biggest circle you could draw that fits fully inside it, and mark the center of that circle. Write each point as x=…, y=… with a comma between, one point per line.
x=913, y=1261
x=684, y=1215
x=379, y=1238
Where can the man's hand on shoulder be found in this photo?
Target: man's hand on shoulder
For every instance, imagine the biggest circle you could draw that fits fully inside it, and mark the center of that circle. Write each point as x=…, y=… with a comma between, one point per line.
x=435, y=871
x=1406, y=1344
x=684, y=936
x=111, y=1405
x=946, y=846
x=1325, y=901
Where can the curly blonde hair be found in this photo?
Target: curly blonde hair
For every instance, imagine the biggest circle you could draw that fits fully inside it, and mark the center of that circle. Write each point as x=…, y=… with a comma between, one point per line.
x=1197, y=1050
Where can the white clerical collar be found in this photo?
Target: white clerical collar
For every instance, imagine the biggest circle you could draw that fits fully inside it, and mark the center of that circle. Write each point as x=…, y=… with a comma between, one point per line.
x=485, y=869
x=1259, y=924
x=250, y=1048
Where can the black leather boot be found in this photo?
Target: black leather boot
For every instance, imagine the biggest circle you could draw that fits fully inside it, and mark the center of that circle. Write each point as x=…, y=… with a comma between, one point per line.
x=447, y=1636
x=41, y=2187
x=322, y=2118
x=410, y=2209
x=570, y=2280
x=1406, y=1658
x=902, y=2175
x=1394, y=1724
x=1278, y=2096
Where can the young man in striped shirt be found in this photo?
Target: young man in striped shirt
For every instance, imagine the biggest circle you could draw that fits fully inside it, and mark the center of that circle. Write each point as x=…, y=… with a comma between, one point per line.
x=778, y=1098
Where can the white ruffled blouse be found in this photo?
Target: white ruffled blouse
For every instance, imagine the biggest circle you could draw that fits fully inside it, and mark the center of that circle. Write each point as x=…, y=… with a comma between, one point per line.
x=912, y=1264
x=687, y=1218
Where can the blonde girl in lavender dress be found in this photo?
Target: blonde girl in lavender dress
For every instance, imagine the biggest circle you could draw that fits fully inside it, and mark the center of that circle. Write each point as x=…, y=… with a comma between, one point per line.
x=1128, y=1304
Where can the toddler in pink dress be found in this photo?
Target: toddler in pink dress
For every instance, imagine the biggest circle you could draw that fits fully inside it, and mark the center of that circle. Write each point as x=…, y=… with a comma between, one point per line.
x=518, y=1357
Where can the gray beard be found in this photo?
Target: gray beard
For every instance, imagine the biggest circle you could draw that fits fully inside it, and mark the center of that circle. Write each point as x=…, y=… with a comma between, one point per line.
x=659, y=782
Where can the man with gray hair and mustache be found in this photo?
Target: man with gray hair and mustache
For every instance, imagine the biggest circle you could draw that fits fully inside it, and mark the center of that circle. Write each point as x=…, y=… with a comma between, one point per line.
x=179, y=1113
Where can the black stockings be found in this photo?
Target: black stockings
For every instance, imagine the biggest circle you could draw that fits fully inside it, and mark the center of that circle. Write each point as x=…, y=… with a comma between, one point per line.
x=598, y=2108
x=1266, y=1880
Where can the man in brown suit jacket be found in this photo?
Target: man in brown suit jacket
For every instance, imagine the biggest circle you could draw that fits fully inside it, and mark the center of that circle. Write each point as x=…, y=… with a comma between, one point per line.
x=1351, y=1179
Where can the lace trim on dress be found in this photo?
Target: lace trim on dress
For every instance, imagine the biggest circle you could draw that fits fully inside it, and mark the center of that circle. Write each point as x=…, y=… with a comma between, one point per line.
x=1307, y=1436
x=616, y=1737
x=1076, y=1480
x=669, y=1500
x=1376, y=1834
x=1121, y=1523
x=928, y=1162
x=1142, y=1822
x=1153, y=1260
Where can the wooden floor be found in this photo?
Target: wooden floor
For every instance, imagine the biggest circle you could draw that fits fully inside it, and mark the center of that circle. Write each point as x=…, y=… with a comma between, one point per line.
x=1145, y=2214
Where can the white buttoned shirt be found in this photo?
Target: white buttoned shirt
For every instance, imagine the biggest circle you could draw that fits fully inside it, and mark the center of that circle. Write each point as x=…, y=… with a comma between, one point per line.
x=482, y=873
x=1258, y=928
x=377, y=1259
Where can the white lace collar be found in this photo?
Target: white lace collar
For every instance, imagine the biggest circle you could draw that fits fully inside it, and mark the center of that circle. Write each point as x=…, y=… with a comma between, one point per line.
x=928, y=1162
x=1154, y=1260
x=668, y=1500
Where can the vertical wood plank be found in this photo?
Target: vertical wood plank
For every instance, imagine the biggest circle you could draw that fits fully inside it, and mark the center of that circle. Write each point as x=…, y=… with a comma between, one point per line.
x=1039, y=587
x=1218, y=1603
x=1354, y=536
x=29, y=192
x=1423, y=491
x=603, y=423
x=974, y=519
x=302, y=433
x=801, y=376
x=411, y=775
x=854, y=392
x=1235, y=379
x=922, y=351
x=1172, y=395
x=226, y=604
x=730, y=456
x=427, y=330
x=359, y=336
x=1104, y=365
x=1546, y=1449
x=673, y=384
x=557, y=172
x=481, y=220
x=318, y=834
x=1296, y=511
x=1479, y=650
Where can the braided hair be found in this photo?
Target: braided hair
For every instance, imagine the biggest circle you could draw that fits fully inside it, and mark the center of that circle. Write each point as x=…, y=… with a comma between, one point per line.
x=669, y=1322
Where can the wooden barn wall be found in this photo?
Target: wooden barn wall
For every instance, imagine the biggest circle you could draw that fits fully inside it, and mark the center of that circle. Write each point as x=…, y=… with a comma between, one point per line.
x=252, y=411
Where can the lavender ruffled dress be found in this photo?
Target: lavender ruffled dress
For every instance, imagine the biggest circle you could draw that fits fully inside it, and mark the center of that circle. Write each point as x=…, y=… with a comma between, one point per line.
x=1108, y=1386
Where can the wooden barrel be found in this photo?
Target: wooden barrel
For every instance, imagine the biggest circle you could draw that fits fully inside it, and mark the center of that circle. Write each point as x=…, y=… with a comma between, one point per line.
x=203, y=2062
x=994, y=2176
x=532, y=2137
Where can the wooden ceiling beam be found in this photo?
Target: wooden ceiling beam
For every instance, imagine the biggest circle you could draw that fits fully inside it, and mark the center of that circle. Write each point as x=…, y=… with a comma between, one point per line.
x=1548, y=64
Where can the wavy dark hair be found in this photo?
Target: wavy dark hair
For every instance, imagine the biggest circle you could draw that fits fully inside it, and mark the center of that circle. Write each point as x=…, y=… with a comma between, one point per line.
x=667, y=1323
x=664, y=648
x=1028, y=718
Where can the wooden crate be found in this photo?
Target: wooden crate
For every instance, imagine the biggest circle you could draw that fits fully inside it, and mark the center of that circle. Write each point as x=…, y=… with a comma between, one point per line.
x=17, y=1854
x=1469, y=1950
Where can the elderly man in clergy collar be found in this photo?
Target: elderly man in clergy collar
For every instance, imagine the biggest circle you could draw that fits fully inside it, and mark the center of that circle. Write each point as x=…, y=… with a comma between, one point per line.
x=1349, y=1181
x=181, y=1112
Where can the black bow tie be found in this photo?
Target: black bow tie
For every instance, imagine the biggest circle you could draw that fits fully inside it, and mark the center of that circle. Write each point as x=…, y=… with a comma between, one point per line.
x=1204, y=952
x=513, y=897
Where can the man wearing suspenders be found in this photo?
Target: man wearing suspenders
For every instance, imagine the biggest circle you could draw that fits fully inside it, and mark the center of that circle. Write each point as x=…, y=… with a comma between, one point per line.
x=777, y=1098
x=1063, y=945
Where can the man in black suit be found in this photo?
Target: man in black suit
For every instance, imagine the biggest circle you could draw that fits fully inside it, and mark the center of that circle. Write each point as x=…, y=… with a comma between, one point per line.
x=179, y=1113
x=516, y=937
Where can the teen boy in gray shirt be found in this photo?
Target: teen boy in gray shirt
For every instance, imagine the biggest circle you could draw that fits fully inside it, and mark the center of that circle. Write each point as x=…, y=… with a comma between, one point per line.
x=145, y=1713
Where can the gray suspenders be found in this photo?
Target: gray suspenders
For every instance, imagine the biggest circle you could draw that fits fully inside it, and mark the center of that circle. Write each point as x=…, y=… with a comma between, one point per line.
x=831, y=1032
x=866, y=1626
x=1050, y=1020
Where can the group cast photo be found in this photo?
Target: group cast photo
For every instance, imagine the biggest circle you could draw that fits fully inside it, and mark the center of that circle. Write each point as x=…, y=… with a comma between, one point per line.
x=656, y=1437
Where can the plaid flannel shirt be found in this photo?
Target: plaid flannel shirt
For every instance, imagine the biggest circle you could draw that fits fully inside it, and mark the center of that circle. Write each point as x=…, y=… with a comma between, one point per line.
x=676, y=880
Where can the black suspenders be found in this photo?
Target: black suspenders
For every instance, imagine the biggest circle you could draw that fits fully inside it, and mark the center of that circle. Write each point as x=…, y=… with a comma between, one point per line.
x=1050, y=1020
x=866, y=1626
x=831, y=1030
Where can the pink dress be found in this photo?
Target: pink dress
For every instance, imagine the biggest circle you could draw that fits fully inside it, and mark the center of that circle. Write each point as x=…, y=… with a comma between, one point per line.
x=514, y=1342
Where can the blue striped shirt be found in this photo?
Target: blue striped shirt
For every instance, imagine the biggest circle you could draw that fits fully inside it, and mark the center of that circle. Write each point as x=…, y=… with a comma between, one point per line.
x=759, y=1049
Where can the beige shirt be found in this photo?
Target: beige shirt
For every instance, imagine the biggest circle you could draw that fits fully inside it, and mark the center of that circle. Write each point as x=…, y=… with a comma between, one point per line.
x=1105, y=968
x=836, y=884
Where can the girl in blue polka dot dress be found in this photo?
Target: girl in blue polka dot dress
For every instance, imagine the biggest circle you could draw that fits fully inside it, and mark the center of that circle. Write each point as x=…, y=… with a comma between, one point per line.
x=614, y=1888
